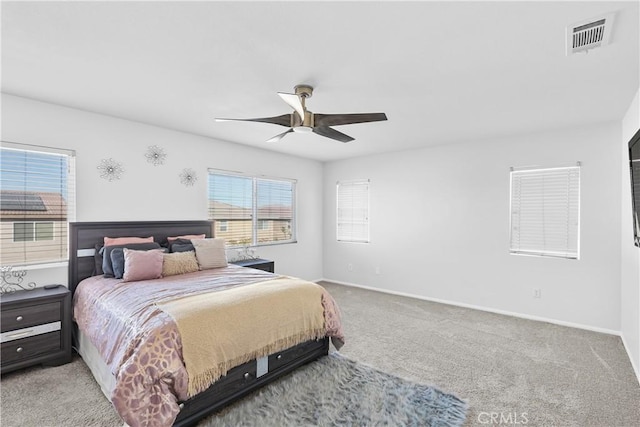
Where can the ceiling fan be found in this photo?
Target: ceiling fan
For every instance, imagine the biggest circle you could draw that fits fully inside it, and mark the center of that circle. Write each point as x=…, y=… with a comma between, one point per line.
x=304, y=121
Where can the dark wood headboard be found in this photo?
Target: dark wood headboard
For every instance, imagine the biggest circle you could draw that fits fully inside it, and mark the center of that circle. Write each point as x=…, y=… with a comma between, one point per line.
x=83, y=237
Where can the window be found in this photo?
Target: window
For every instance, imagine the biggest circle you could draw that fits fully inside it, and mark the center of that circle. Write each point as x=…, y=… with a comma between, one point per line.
x=37, y=201
x=352, y=218
x=32, y=231
x=223, y=225
x=545, y=212
x=255, y=210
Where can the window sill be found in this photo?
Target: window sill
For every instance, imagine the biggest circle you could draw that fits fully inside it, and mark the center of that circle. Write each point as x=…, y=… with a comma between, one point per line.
x=29, y=267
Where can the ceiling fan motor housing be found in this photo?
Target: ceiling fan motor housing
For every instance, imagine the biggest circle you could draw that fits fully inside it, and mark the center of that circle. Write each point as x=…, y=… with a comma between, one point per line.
x=296, y=120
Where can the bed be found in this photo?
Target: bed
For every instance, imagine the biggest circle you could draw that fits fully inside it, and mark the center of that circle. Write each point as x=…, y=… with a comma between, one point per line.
x=164, y=400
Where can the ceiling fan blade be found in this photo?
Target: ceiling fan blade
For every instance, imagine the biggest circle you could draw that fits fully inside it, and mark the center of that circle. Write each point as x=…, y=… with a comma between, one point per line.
x=347, y=119
x=283, y=120
x=294, y=102
x=279, y=136
x=332, y=133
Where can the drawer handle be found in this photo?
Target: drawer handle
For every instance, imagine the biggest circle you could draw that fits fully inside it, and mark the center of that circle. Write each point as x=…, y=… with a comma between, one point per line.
x=247, y=375
x=19, y=350
x=279, y=357
x=20, y=334
x=18, y=319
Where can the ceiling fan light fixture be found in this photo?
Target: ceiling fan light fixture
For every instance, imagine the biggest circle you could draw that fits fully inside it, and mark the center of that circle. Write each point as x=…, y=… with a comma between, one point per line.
x=303, y=129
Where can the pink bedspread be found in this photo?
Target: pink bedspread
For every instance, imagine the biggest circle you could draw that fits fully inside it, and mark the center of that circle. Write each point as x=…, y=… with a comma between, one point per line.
x=140, y=343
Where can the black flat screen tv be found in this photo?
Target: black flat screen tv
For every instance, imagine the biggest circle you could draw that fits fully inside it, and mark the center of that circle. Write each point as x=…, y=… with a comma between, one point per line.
x=634, y=164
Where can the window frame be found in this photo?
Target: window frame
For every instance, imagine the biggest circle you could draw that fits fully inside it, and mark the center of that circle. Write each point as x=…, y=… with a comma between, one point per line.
x=255, y=219
x=57, y=228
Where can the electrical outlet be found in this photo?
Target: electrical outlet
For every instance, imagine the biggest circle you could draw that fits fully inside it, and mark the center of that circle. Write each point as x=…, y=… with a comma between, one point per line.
x=377, y=269
x=537, y=293
x=350, y=267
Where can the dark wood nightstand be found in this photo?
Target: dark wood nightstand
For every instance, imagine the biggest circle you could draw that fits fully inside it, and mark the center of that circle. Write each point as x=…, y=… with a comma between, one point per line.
x=257, y=263
x=36, y=328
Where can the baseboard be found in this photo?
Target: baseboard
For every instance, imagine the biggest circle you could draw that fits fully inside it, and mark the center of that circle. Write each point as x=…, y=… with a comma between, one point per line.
x=481, y=308
x=633, y=364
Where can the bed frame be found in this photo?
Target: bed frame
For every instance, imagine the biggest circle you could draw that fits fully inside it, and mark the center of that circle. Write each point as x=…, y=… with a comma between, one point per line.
x=239, y=381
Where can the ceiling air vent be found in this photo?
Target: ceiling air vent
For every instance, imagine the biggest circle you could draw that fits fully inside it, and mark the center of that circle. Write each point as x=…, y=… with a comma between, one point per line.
x=589, y=34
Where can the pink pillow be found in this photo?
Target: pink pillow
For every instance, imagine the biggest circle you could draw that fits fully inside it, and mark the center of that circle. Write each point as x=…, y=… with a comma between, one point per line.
x=110, y=241
x=187, y=236
x=142, y=265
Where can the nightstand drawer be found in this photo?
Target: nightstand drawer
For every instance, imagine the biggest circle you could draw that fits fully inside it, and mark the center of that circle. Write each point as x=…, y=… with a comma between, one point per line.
x=24, y=317
x=18, y=334
x=36, y=328
x=14, y=351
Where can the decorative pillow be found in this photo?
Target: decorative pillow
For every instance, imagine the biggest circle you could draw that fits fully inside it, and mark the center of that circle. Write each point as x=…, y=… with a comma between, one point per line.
x=97, y=260
x=179, y=263
x=180, y=245
x=142, y=265
x=117, y=261
x=111, y=241
x=210, y=253
x=186, y=237
x=107, y=266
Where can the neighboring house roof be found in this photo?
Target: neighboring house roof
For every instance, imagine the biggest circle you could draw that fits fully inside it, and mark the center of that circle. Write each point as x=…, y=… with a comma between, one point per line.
x=27, y=205
x=222, y=211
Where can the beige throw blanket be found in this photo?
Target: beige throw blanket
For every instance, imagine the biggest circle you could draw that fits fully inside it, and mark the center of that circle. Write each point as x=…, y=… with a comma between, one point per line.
x=221, y=330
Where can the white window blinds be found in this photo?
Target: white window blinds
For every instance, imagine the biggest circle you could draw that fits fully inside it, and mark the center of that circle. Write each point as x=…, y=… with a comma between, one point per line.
x=274, y=210
x=250, y=211
x=352, y=217
x=37, y=202
x=545, y=212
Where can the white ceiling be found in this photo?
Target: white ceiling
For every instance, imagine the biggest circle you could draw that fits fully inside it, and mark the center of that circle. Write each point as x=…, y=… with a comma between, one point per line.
x=441, y=71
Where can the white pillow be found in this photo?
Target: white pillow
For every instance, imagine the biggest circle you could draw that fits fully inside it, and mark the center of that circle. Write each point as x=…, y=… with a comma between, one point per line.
x=211, y=253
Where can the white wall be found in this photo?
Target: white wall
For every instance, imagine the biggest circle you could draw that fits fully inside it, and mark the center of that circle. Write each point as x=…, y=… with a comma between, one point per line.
x=148, y=192
x=440, y=227
x=630, y=254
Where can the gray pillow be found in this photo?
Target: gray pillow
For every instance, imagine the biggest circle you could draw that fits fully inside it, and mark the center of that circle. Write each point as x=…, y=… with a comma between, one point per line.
x=181, y=245
x=184, y=247
x=97, y=260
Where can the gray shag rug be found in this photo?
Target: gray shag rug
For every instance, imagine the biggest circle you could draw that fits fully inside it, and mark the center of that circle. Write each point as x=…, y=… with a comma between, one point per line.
x=337, y=391
x=332, y=391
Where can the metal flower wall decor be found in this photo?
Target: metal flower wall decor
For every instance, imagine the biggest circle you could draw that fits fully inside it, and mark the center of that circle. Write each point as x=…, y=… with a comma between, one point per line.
x=110, y=169
x=188, y=177
x=11, y=280
x=155, y=155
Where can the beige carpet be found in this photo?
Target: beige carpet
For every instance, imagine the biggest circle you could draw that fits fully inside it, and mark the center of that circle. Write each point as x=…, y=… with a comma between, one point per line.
x=504, y=367
x=558, y=376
